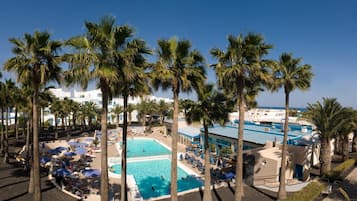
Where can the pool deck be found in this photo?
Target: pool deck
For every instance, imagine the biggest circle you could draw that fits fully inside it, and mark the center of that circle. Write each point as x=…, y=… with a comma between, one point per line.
x=166, y=140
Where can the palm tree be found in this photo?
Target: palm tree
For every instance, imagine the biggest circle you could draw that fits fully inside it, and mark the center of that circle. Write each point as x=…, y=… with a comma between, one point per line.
x=36, y=61
x=117, y=110
x=55, y=109
x=290, y=75
x=328, y=118
x=95, y=60
x=162, y=109
x=3, y=101
x=18, y=100
x=9, y=87
x=240, y=65
x=131, y=108
x=146, y=108
x=133, y=81
x=212, y=107
x=345, y=130
x=180, y=69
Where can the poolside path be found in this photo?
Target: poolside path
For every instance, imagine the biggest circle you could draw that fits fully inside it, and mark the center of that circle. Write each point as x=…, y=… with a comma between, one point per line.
x=225, y=194
x=14, y=182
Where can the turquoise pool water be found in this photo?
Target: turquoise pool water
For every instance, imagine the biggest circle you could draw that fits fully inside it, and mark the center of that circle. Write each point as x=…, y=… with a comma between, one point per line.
x=145, y=147
x=156, y=174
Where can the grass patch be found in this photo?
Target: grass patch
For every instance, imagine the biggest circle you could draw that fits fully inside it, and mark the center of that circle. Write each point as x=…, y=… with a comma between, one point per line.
x=308, y=193
x=335, y=174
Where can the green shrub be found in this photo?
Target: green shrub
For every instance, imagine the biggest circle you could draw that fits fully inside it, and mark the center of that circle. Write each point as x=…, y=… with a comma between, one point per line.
x=308, y=193
x=335, y=174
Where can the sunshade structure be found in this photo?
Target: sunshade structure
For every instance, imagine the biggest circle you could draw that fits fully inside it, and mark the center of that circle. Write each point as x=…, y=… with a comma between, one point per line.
x=44, y=160
x=62, y=172
x=78, y=144
x=229, y=175
x=70, y=154
x=57, y=150
x=91, y=173
x=80, y=151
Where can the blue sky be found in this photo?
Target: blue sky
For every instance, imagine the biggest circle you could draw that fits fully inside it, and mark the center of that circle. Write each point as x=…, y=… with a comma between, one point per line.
x=322, y=32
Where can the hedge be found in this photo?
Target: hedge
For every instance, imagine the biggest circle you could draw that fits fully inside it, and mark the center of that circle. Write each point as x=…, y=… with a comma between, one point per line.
x=335, y=174
x=308, y=193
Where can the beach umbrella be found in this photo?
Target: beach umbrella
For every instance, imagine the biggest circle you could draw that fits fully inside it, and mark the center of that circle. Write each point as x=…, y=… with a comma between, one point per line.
x=91, y=173
x=62, y=172
x=229, y=175
x=78, y=144
x=70, y=154
x=61, y=148
x=80, y=151
x=54, y=151
x=45, y=159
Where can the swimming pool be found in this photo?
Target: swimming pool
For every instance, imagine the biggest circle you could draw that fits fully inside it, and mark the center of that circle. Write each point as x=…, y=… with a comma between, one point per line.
x=153, y=177
x=145, y=147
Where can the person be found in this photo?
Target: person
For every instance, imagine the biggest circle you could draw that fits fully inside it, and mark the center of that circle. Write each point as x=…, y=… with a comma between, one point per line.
x=143, y=150
x=152, y=188
x=162, y=177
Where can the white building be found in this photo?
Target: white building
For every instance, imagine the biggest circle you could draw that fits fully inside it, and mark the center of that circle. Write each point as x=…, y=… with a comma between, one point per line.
x=95, y=96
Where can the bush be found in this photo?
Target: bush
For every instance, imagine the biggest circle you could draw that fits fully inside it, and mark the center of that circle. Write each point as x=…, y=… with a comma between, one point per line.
x=308, y=193
x=335, y=174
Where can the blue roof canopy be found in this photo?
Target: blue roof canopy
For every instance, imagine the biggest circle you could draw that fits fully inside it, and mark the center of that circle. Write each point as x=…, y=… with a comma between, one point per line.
x=190, y=132
x=250, y=135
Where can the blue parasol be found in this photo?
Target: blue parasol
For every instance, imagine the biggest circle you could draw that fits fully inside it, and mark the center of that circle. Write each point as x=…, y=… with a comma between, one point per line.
x=91, y=173
x=62, y=172
x=45, y=159
x=229, y=175
x=80, y=151
x=70, y=154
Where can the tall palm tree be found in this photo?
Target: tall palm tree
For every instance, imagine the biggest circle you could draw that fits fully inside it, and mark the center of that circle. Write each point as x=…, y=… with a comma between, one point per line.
x=162, y=109
x=55, y=109
x=117, y=110
x=212, y=107
x=18, y=100
x=131, y=108
x=9, y=87
x=94, y=59
x=345, y=130
x=133, y=81
x=36, y=61
x=240, y=65
x=290, y=75
x=2, y=105
x=328, y=118
x=180, y=69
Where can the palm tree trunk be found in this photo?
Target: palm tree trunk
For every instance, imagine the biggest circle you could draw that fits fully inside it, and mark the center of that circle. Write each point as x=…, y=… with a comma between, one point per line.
x=118, y=121
x=325, y=155
x=31, y=187
x=35, y=156
x=282, y=190
x=345, y=148
x=129, y=119
x=174, y=133
x=354, y=143
x=56, y=128
x=104, y=187
x=207, y=196
x=28, y=145
x=74, y=120
x=16, y=125
x=2, y=132
x=6, y=158
x=124, y=196
x=239, y=166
